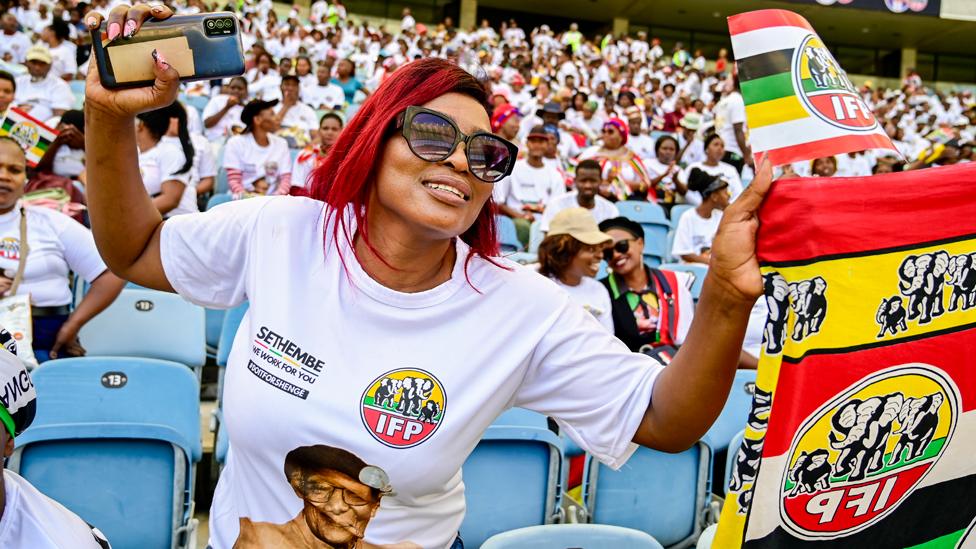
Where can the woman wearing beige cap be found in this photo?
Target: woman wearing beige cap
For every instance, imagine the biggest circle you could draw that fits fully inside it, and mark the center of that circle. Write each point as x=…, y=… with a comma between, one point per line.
x=570, y=255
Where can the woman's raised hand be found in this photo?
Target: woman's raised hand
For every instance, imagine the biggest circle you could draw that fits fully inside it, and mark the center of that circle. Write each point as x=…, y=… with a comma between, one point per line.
x=123, y=22
x=733, y=256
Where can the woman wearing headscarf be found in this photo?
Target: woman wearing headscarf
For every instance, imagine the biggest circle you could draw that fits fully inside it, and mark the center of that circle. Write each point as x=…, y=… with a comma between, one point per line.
x=395, y=249
x=624, y=174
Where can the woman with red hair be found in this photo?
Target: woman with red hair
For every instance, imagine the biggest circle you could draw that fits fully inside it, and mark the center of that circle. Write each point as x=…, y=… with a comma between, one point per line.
x=384, y=327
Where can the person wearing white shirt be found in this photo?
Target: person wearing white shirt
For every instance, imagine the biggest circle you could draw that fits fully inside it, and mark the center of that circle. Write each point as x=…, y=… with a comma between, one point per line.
x=408, y=23
x=324, y=94
x=165, y=167
x=640, y=143
x=41, y=93
x=570, y=256
x=63, y=51
x=291, y=113
x=28, y=518
x=714, y=151
x=13, y=43
x=397, y=255
x=532, y=185
x=586, y=195
x=730, y=124
x=697, y=226
x=317, y=11
x=222, y=115
x=257, y=161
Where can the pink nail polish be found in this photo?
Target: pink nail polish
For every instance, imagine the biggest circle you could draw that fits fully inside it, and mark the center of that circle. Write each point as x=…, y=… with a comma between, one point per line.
x=160, y=60
x=90, y=22
x=130, y=28
x=114, y=30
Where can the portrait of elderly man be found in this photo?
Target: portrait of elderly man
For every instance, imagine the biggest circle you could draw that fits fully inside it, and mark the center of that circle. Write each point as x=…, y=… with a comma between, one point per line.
x=340, y=494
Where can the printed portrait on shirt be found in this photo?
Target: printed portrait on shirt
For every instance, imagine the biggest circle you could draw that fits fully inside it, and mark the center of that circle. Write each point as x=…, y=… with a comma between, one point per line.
x=340, y=494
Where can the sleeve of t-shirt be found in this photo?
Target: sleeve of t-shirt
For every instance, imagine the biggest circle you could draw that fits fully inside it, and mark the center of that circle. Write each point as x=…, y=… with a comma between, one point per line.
x=207, y=166
x=214, y=106
x=284, y=158
x=205, y=255
x=683, y=243
x=590, y=383
x=169, y=165
x=63, y=98
x=500, y=191
x=737, y=110
x=77, y=245
x=232, y=153
x=546, y=218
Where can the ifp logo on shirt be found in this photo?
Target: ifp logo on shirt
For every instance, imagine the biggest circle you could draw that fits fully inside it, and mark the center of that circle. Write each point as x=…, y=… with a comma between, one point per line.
x=403, y=408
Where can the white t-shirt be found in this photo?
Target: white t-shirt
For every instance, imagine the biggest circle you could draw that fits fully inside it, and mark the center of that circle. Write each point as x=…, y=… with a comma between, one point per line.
x=602, y=210
x=328, y=97
x=31, y=519
x=730, y=110
x=44, y=96
x=224, y=126
x=160, y=164
x=724, y=170
x=58, y=244
x=299, y=115
x=64, y=59
x=346, y=340
x=69, y=162
x=752, y=343
x=694, y=233
x=643, y=146
x=15, y=44
x=528, y=185
x=594, y=298
x=243, y=153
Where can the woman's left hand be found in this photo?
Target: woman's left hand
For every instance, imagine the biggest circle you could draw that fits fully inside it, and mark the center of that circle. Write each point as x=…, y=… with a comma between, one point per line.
x=67, y=342
x=733, y=263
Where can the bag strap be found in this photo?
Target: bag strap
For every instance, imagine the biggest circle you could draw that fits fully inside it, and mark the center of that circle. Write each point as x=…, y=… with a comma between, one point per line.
x=667, y=331
x=24, y=250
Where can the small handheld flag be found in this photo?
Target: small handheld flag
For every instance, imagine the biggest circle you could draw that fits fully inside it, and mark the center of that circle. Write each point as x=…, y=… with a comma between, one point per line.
x=799, y=103
x=31, y=133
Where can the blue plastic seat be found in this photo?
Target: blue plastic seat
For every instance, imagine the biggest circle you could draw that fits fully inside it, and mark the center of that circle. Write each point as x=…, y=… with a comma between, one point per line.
x=198, y=102
x=149, y=324
x=655, y=224
x=676, y=212
x=661, y=494
x=642, y=212
x=507, y=235
x=214, y=319
x=536, y=236
x=734, y=413
x=219, y=198
x=220, y=183
x=115, y=440
x=561, y=536
x=232, y=321
x=512, y=478
x=697, y=269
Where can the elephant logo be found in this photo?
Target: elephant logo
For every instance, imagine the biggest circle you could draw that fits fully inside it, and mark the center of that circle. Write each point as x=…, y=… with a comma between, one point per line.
x=962, y=278
x=777, y=294
x=404, y=407
x=891, y=316
x=825, y=90
x=809, y=302
x=746, y=465
x=922, y=281
x=856, y=458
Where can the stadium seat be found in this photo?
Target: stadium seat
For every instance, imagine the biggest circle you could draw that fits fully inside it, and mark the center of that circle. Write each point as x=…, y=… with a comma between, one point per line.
x=733, y=449
x=561, y=536
x=697, y=269
x=536, y=236
x=115, y=440
x=642, y=212
x=220, y=184
x=507, y=235
x=198, y=102
x=149, y=324
x=214, y=319
x=676, y=212
x=735, y=413
x=512, y=478
x=232, y=321
x=661, y=494
x=219, y=198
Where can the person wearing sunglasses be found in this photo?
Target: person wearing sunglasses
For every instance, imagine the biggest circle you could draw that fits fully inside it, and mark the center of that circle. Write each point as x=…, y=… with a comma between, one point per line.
x=570, y=256
x=624, y=174
x=533, y=184
x=650, y=306
x=392, y=263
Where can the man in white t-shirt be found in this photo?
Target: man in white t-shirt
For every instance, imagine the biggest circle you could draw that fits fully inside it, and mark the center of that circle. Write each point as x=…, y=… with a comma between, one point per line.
x=41, y=93
x=587, y=183
x=28, y=518
x=408, y=23
x=13, y=43
x=697, y=226
x=533, y=183
x=222, y=115
x=730, y=124
x=324, y=95
x=293, y=115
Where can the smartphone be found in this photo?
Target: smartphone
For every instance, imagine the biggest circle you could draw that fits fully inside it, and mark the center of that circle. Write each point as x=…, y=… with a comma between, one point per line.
x=204, y=46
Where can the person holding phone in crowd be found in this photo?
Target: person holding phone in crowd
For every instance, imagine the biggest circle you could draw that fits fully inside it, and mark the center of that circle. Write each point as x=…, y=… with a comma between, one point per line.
x=395, y=249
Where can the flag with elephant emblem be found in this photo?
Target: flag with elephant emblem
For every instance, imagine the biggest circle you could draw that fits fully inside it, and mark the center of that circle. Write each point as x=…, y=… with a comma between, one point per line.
x=862, y=431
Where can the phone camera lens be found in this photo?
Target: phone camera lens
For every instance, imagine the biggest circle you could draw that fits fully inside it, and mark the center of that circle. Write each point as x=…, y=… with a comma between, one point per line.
x=210, y=24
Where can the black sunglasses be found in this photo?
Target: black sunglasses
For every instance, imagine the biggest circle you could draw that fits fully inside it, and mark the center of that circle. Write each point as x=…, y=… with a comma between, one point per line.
x=620, y=246
x=433, y=136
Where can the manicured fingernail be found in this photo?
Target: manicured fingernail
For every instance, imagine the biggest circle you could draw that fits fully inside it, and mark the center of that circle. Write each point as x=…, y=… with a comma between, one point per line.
x=114, y=29
x=91, y=22
x=130, y=28
x=160, y=60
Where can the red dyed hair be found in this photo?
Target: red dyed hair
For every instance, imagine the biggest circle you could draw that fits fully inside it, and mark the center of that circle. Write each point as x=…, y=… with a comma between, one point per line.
x=347, y=175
